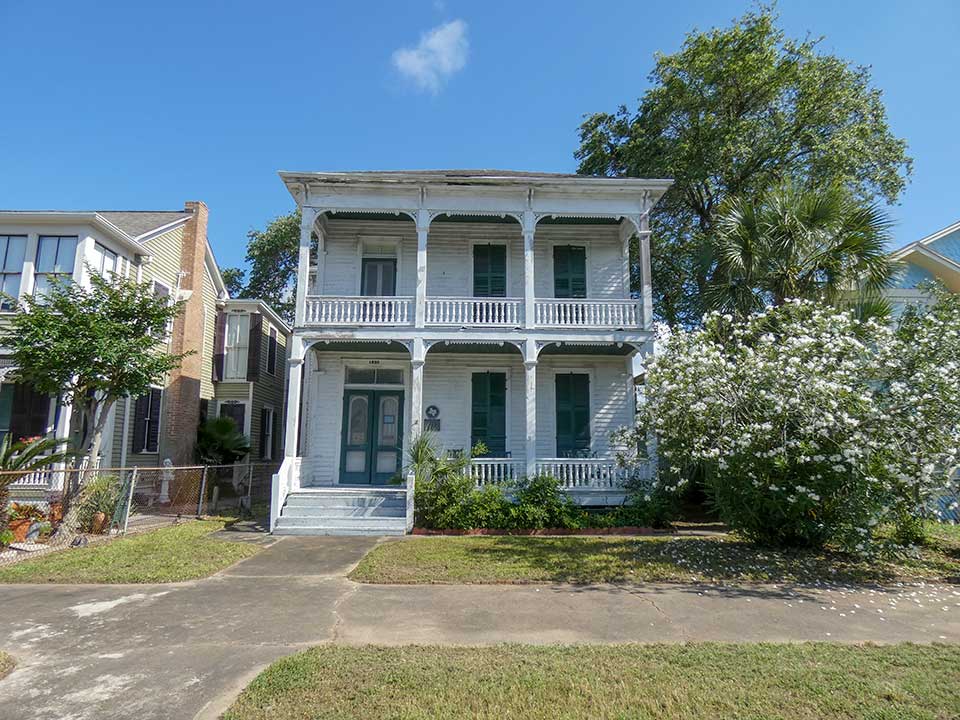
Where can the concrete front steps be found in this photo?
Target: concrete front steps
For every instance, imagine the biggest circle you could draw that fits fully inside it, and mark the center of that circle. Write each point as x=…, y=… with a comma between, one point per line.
x=344, y=510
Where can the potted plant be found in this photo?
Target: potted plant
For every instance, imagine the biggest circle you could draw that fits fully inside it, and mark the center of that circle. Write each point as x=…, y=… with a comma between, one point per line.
x=21, y=518
x=23, y=457
x=97, y=503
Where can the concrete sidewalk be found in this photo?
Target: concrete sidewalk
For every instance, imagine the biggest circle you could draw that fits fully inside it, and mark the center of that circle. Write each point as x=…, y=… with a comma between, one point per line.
x=184, y=650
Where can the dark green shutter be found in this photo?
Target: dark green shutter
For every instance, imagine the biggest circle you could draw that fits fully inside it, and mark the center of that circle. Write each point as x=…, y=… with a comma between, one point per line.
x=489, y=271
x=573, y=414
x=489, y=412
x=569, y=271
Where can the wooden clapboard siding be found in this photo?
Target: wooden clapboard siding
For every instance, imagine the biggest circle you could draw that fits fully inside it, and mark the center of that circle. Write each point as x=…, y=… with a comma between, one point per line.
x=269, y=389
x=209, y=328
x=166, y=251
x=341, y=272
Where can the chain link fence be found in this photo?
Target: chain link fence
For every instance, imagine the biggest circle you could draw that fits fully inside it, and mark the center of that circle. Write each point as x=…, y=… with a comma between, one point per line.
x=59, y=508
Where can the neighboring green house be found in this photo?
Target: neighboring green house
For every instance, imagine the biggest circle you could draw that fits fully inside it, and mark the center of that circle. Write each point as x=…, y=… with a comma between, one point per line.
x=170, y=250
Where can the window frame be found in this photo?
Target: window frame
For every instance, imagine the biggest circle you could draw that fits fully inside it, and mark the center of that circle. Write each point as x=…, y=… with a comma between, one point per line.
x=39, y=274
x=506, y=267
x=586, y=244
x=507, y=453
x=242, y=349
x=266, y=432
x=145, y=450
x=591, y=388
x=273, y=347
x=103, y=250
x=6, y=305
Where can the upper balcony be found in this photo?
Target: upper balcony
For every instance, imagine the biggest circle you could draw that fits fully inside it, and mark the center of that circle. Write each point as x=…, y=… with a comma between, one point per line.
x=473, y=249
x=365, y=272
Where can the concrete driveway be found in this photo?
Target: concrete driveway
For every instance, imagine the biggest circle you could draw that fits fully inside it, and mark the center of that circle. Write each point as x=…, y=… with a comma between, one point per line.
x=184, y=650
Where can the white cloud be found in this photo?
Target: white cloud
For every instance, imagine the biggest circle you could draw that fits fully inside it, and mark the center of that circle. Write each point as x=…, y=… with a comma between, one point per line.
x=441, y=52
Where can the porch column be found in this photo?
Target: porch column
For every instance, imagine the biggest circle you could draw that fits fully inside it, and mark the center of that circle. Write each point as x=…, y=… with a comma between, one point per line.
x=530, y=373
x=529, y=292
x=294, y=388
x=308, y=216
x=643, y=232
x=416, y=389
x=420, y=307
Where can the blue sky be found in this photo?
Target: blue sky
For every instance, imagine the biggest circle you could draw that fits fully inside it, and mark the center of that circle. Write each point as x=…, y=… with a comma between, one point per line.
x=120, y=105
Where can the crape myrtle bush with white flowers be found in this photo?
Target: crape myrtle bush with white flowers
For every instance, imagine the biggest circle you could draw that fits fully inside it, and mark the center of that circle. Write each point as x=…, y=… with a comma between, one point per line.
x=811, y=427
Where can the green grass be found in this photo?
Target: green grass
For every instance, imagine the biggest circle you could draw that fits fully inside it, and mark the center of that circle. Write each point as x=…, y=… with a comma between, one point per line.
x=799, y=682
x=6, y=664
x=510, y=559
x=174, y=553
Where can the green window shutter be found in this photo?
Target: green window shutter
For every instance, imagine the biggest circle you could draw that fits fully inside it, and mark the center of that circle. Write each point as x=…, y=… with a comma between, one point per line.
x=488, y=422
x=489, y=270
x=573, y=414
x=569, y=271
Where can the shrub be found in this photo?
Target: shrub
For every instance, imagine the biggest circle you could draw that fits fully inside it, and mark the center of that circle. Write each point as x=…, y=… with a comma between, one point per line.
x=812, y=427
x=102, y=494
x=540, y=503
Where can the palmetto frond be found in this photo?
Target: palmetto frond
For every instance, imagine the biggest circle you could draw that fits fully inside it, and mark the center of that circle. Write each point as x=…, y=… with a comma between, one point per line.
x=817, y=244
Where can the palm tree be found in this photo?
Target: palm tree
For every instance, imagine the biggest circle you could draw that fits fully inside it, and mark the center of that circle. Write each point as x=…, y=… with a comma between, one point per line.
x=817, y=244
x=24, y=457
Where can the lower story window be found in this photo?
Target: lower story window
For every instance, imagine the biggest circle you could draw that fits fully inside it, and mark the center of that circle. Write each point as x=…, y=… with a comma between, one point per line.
x=24, y=413
x=573, y=415
x=146, y=422
x=236, y=411
x=267, y=431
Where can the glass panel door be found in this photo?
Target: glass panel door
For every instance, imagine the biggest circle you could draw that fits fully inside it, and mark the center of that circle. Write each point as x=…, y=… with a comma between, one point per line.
x=355, y=457
x=389, y=426
x=372, y=436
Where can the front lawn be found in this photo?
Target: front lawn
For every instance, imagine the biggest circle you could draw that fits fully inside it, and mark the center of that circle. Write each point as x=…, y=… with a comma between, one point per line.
x=170, y=554
x=799, y=682
x=510, y=559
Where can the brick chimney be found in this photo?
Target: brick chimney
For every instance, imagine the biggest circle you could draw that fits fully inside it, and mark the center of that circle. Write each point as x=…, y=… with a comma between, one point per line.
x=182, y=396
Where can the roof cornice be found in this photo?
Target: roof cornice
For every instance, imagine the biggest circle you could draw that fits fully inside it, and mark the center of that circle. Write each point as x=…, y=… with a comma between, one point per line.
x=559, y=182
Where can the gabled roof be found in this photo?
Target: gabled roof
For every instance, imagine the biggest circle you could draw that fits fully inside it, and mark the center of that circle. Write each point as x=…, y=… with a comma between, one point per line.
x=138, y=223
x=922, y=255
x=130, y=228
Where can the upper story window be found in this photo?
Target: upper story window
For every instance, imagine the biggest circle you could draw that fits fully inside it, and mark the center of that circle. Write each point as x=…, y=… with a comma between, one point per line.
x=569, y=271
x=105, y=261
x=55, y=259
x=272, y=352
x=489, y=270
x=236, y=347
x=12, y=249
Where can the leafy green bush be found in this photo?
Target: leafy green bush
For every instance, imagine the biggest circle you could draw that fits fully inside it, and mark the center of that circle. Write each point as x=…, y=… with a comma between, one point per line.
x=540, y=503
x=102, y=494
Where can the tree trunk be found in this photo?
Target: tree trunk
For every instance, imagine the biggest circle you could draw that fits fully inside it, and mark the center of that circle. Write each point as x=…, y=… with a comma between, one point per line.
x=100, y=415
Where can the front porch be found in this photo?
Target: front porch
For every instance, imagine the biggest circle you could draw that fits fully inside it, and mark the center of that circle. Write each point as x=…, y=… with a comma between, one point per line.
x=364, y=402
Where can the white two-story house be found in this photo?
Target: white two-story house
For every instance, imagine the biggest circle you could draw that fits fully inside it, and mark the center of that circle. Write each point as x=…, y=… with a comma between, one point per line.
x=480, y=306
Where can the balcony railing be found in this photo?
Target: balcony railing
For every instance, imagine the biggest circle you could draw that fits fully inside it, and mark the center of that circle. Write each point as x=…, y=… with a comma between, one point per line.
x=485, y=312
x=592, y=473
x=573, y=473
x=495, y=471
x=587, y=313
x=358, y=310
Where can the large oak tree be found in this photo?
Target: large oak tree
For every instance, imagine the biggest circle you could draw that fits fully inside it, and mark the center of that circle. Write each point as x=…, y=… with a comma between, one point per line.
x=737, y=111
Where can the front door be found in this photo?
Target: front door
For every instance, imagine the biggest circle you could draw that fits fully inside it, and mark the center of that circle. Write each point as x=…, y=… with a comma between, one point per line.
x=372, y=436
